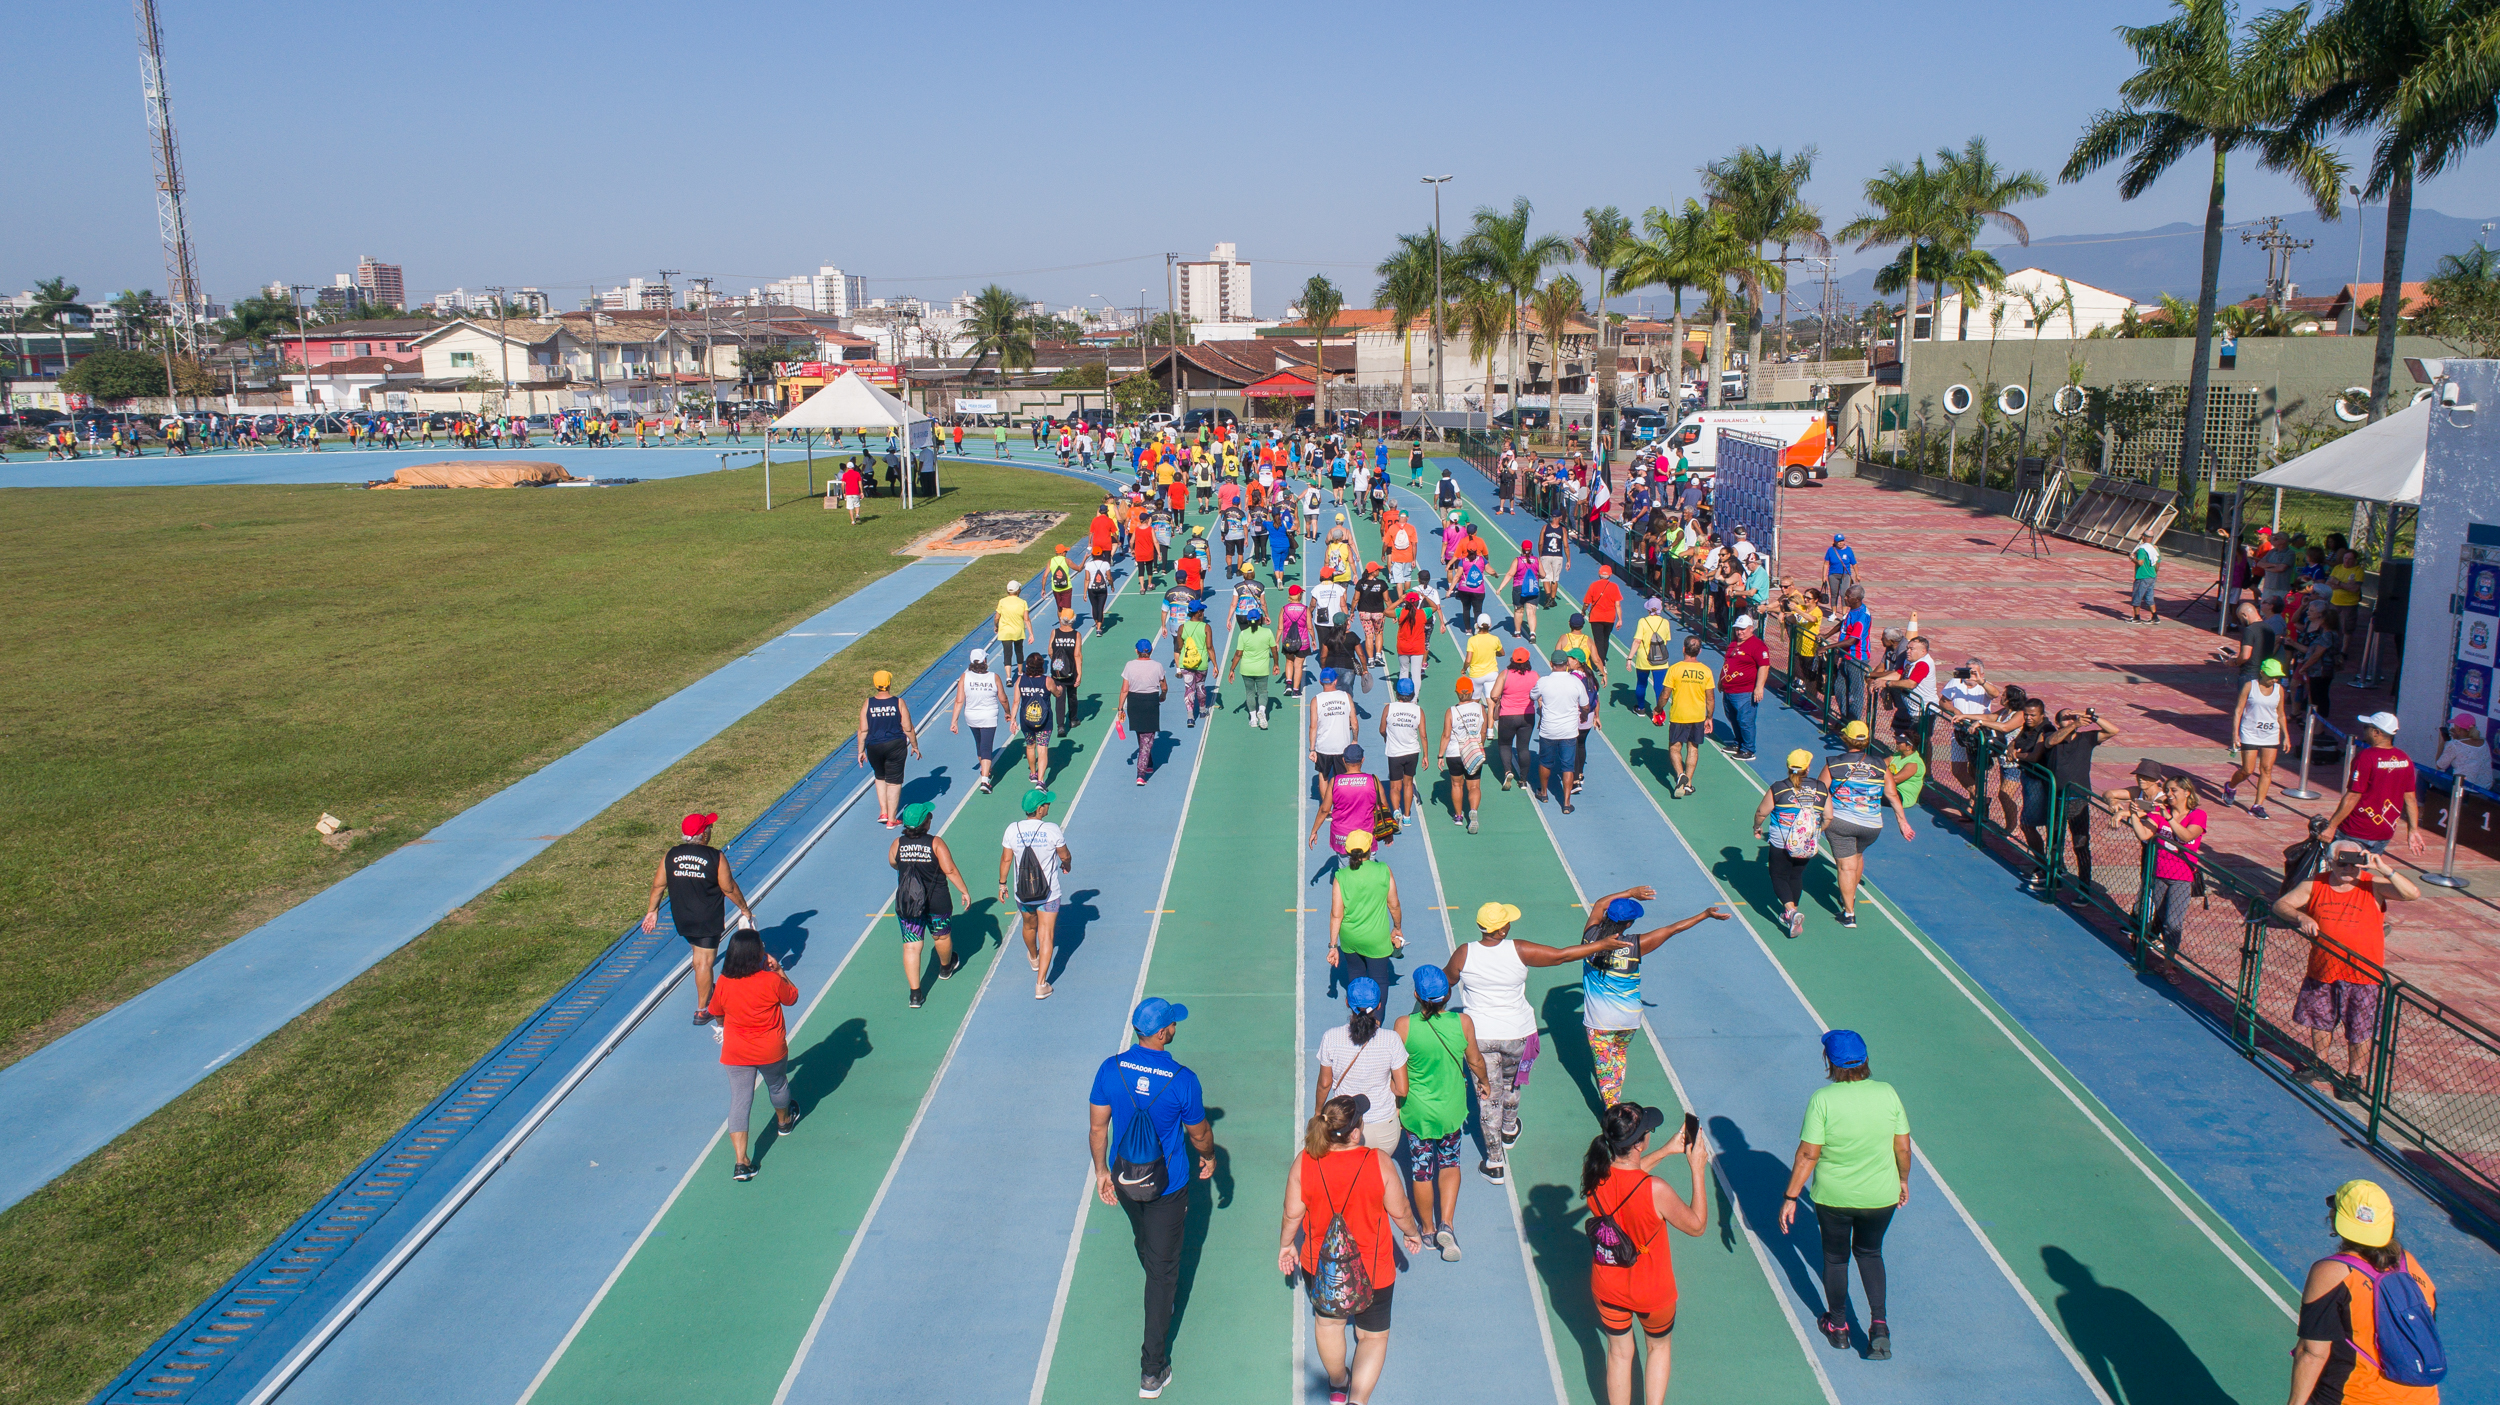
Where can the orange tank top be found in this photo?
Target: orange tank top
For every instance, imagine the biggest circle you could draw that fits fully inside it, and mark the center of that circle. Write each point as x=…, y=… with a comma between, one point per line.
x=1347, y=1182
x=1648, y=1286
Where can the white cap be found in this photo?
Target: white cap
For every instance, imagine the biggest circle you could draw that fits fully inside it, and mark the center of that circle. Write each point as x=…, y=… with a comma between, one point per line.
x=1744, y=621
x=2384, y=721
x=1015, y=585
x=980, y=656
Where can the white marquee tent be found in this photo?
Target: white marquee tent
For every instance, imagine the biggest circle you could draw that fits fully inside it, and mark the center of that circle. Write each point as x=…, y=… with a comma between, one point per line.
x=2379, y=462
x=850, y=402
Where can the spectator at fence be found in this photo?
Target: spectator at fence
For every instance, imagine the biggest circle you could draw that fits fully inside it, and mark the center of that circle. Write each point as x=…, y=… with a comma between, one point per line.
x=2339, y=993
x=1967, y=696
x=1801, y=612
x=2068, y=755
x=2464, y=753
x=2175, y=827
x=1912, y=686
x=2379, y=786
x=1852, y=638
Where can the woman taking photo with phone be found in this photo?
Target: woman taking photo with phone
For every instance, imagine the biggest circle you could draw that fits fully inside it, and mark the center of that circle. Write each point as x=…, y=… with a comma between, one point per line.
x=1632, y=1263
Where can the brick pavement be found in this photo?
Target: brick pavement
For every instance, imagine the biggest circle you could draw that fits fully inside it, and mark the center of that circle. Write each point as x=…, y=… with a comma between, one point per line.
x=2056, y=624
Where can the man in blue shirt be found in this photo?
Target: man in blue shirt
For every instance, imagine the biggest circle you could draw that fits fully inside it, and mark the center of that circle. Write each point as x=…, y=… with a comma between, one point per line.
x=1144, y=1081
x=1840, y=567
x=1851, y=638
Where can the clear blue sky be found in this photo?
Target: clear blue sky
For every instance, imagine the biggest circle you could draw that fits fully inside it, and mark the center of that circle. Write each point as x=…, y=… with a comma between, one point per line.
x=1059, y=150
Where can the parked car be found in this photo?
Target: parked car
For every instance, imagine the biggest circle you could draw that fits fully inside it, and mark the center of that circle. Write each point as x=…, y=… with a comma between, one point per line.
x=1096, y=418
x=1160, y=421
x=1523, y=418
x=1639, y=424
x=1201, y=419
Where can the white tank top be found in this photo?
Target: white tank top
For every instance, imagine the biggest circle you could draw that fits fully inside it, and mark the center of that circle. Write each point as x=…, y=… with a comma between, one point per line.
x=1332, y=723
x=1405, y=721
x=981, y=700
x=2261, y=722
x=1496, y=986
x=1466, y=725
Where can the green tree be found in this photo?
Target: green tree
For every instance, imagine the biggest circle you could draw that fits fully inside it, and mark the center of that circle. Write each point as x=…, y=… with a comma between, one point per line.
x=1139, y=394
x=110, y=373
x=1722, y=256
x=55, y=298
x=1500, y=250
x=1761, y=195
x=256, y=320
x=1405, y=288
x=1605, y=237
x=1911, y=209
x=137, y=315
x=1663, y=257
x=1481, y=312
x=2203, y=83
x=2465, y=301
x=1555, y=305
x=1321, y=302
x=1981, y=194
x=2424, y=75
x=999, y=327
x=1084, y=375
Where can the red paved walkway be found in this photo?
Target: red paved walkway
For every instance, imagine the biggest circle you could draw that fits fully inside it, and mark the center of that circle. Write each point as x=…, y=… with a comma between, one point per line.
x=2057, y=625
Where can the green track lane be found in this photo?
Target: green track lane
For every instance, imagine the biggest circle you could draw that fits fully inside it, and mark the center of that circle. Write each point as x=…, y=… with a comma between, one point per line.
x=2134, y=1279
x=861, y=1055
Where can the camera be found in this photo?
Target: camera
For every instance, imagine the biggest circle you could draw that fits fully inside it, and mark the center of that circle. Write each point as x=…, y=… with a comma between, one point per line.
x=1962, y=673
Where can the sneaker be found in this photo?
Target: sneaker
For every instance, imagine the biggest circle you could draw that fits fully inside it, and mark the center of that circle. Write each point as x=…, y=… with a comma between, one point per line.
x=946, y=969
x=918, y=998
x=2230, y=795
x=1796, y=922
x=1447, y=1238
x=741, y=1172
x=985, y=787
x=2258, y=812
x=1879, y=1335
x=1492, y=1172
x=1141, y=780
x=1471, y=821
x=1849, y=919
x=1336, y=1394
x=783, y=1129
x=1193, y=721
x=1505, y=782
x=1151, y=1385
x=1835, y=1331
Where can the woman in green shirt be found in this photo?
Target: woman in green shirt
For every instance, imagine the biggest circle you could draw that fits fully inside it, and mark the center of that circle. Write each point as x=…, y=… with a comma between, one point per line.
x=1439, y=1045
x=1365, y=926
x=1909, y=769
x=1855, y=1146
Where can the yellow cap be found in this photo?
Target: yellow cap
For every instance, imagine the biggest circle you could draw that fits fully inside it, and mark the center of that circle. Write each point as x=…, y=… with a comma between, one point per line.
x=1800, y=759
x=881, y=679
x=1360, y=841
x=1493, y=917
x=2364, y=1214
x=1855, y=731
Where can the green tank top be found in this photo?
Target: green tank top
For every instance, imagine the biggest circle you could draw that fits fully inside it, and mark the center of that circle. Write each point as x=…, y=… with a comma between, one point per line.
x=1436, y=1076
x=1365, y=928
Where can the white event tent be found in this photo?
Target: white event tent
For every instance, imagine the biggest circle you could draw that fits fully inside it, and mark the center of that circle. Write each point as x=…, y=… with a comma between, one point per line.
x=849, y=402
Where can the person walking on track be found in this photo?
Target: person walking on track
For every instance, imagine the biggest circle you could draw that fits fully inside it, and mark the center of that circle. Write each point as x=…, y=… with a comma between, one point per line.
x=1402, y=737
x=696, y=879
x=1693, y=695
x=1610, y=979
x=2257, y=727
x=2369, y=1312
x=1142, y=688
x=1148, y=1111
x=1255, y=659
x=1441, y=1061
x=1362, y=1059
x=1652, y=642
x=1463, y=735
x=1340, y=1181
x=1859, y=788
x=1097, y=586
x=1013, y=619
x=1632, y=1268
x=1563, y=709
x=980, y=697
x=1366, y=927
x=1032, y=703
x=1790, y=821
x=1067, y=670
x=1493, y=971
x=1515, y=716
x=1331, y=723
x=885, y=735
x=1032, y=857
x=1193, y=653
x=924, y=869
x=1060, y=577
x=754, y=1044
x=1855, y=1148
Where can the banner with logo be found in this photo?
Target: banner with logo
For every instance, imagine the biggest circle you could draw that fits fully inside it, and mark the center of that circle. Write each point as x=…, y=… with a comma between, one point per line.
x=2477, y=653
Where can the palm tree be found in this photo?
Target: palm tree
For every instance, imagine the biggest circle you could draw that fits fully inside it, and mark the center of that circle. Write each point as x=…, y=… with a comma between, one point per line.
x=1761, y=193
x=1722, y=256
x=1969, y=272
x=1499, y=250
x=1603, y=237
x=1554, y=305
x=2465, y=300
x=1911, y=208
x=1981, y=194
x=1406, y=290
x=2426, y=75
x=136, y=315
x=1661, y=259
x=2203, y=83
x=1321, y=302
x=1482, y=312
x=55, y=298
x=999, y=326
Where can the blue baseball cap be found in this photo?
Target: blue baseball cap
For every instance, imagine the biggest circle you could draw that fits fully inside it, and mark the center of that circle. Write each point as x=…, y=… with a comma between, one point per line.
x=1328, y=675
x=1431, y=984
x=1254, y=614
x=1155, y=1013
x=1197, y=607
x=1844, y=1048
x=1406, y=687
x=1363, y=994
x=1623, y=910
x=1145, y=646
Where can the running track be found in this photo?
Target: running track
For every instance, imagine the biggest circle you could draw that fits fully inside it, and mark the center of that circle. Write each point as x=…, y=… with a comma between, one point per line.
x=2107, y=1206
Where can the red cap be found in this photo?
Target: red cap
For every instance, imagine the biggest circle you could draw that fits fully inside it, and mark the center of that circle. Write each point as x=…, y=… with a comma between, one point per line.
x=1292, y=590
x=693, y=825
x=1520, y=654
x=1602, y=572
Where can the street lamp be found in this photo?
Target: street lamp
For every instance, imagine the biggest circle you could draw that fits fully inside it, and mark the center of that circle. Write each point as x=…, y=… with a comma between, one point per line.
x=1436, y=182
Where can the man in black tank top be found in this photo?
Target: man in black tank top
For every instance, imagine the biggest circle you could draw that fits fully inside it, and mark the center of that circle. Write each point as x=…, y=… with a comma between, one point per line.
x=696, y=879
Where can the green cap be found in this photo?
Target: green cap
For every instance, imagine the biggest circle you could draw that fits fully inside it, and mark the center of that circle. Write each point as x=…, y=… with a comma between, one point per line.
x=914, y=816
x=2271, y=668
x=1036, y=798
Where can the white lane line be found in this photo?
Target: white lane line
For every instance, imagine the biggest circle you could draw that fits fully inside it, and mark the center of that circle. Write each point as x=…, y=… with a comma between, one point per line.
x=1300, y=1388
x=1137, y=993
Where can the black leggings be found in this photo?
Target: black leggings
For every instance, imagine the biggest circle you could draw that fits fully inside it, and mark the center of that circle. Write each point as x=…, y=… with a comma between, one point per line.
x=1511, y=744
x=1788, y=877
x=1858, y=1234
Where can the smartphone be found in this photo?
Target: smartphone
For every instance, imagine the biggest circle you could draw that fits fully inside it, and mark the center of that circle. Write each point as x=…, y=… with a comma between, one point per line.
x=1692, y=1130
x=1962, y=673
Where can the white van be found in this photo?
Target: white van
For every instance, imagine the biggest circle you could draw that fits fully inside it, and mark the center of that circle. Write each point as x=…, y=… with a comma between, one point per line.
x=1807, y=433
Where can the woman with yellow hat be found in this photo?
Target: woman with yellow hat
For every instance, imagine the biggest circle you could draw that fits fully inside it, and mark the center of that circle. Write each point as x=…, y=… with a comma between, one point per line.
x=1791, y=819
x=885, y=732
x=2368, y=1329
x=1860, y=788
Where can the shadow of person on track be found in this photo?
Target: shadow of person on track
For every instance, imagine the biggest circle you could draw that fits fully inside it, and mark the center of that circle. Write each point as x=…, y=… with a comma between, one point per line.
x=816, y=1073
x=787, y=938
x=2133, y=1352
x=1757, y=1180
x=1566, y=1043
x=1201, y=1221
x=1550, y=1219
x=1077, y=915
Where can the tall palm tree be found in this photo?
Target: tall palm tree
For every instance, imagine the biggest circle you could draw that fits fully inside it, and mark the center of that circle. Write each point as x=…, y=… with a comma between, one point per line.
x=55, y=298
x=2426, y=75
x=1911, y=208
x=1480, y=311
x=1321, y=302
x=1981, y=194
x=999, y=326
x=1736, y=275
x=1603, y=237
x=2203, y=83
x=1761, y=194
x=1662, y=258
x=1500, y=250
x=1406, y=290
x=1554, y=306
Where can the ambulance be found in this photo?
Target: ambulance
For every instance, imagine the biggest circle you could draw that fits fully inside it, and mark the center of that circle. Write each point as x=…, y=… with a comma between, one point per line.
x=1807, y=433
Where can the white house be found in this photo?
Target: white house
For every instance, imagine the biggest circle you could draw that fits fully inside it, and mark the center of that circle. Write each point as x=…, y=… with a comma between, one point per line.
x=2034, y=303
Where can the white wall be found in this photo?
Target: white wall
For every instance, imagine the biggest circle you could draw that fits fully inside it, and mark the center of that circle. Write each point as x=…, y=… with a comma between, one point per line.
x=2094, y=307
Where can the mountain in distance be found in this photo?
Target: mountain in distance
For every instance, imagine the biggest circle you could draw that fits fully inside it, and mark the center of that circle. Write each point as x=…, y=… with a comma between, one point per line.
x=2145, y=263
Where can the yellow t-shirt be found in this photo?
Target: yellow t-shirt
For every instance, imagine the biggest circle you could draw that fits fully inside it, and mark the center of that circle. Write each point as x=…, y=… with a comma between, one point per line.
x=2346, y=583
x=1807, y=630
x=1689, y=684
x=1574, y=639
x=1484, y=655
x=1651, y=627
x=1011, y=617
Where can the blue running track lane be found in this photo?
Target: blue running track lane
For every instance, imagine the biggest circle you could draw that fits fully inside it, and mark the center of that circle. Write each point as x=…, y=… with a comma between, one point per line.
x=538, y=1230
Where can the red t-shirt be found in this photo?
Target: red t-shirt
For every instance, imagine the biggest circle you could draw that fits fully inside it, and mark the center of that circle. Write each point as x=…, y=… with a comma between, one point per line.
x=1105, y=534
x=850, y=482
x=750, y=1017
x=1193, y=572
x=1604, y=601
x=1414, y=637
x=2382, y=776
x=1744, y=664
x=2354, y=919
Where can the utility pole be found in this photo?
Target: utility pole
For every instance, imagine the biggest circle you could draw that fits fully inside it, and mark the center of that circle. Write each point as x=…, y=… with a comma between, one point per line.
x=1172, y=334
x=709, y=388
x=1436, y=182
x=2279, y=248
x=303, y=343
x=503, y=344
x=182, y=269
x=668, y=328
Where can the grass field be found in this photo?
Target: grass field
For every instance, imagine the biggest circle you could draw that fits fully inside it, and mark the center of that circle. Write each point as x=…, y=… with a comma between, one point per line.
x=368, y=654
x=199, y=673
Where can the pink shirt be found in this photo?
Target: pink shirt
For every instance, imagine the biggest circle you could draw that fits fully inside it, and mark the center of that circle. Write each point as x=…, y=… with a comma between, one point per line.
x=1517, y=691
x=1352, y=798
x=2167, y=864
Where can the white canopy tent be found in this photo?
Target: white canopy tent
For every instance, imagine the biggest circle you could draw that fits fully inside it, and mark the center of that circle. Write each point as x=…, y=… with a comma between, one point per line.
x=2379, y=462
x=848, y=401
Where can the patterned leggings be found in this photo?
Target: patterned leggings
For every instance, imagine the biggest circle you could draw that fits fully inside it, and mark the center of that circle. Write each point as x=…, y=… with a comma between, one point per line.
x=1612, y=1051
x=1502, y=1061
